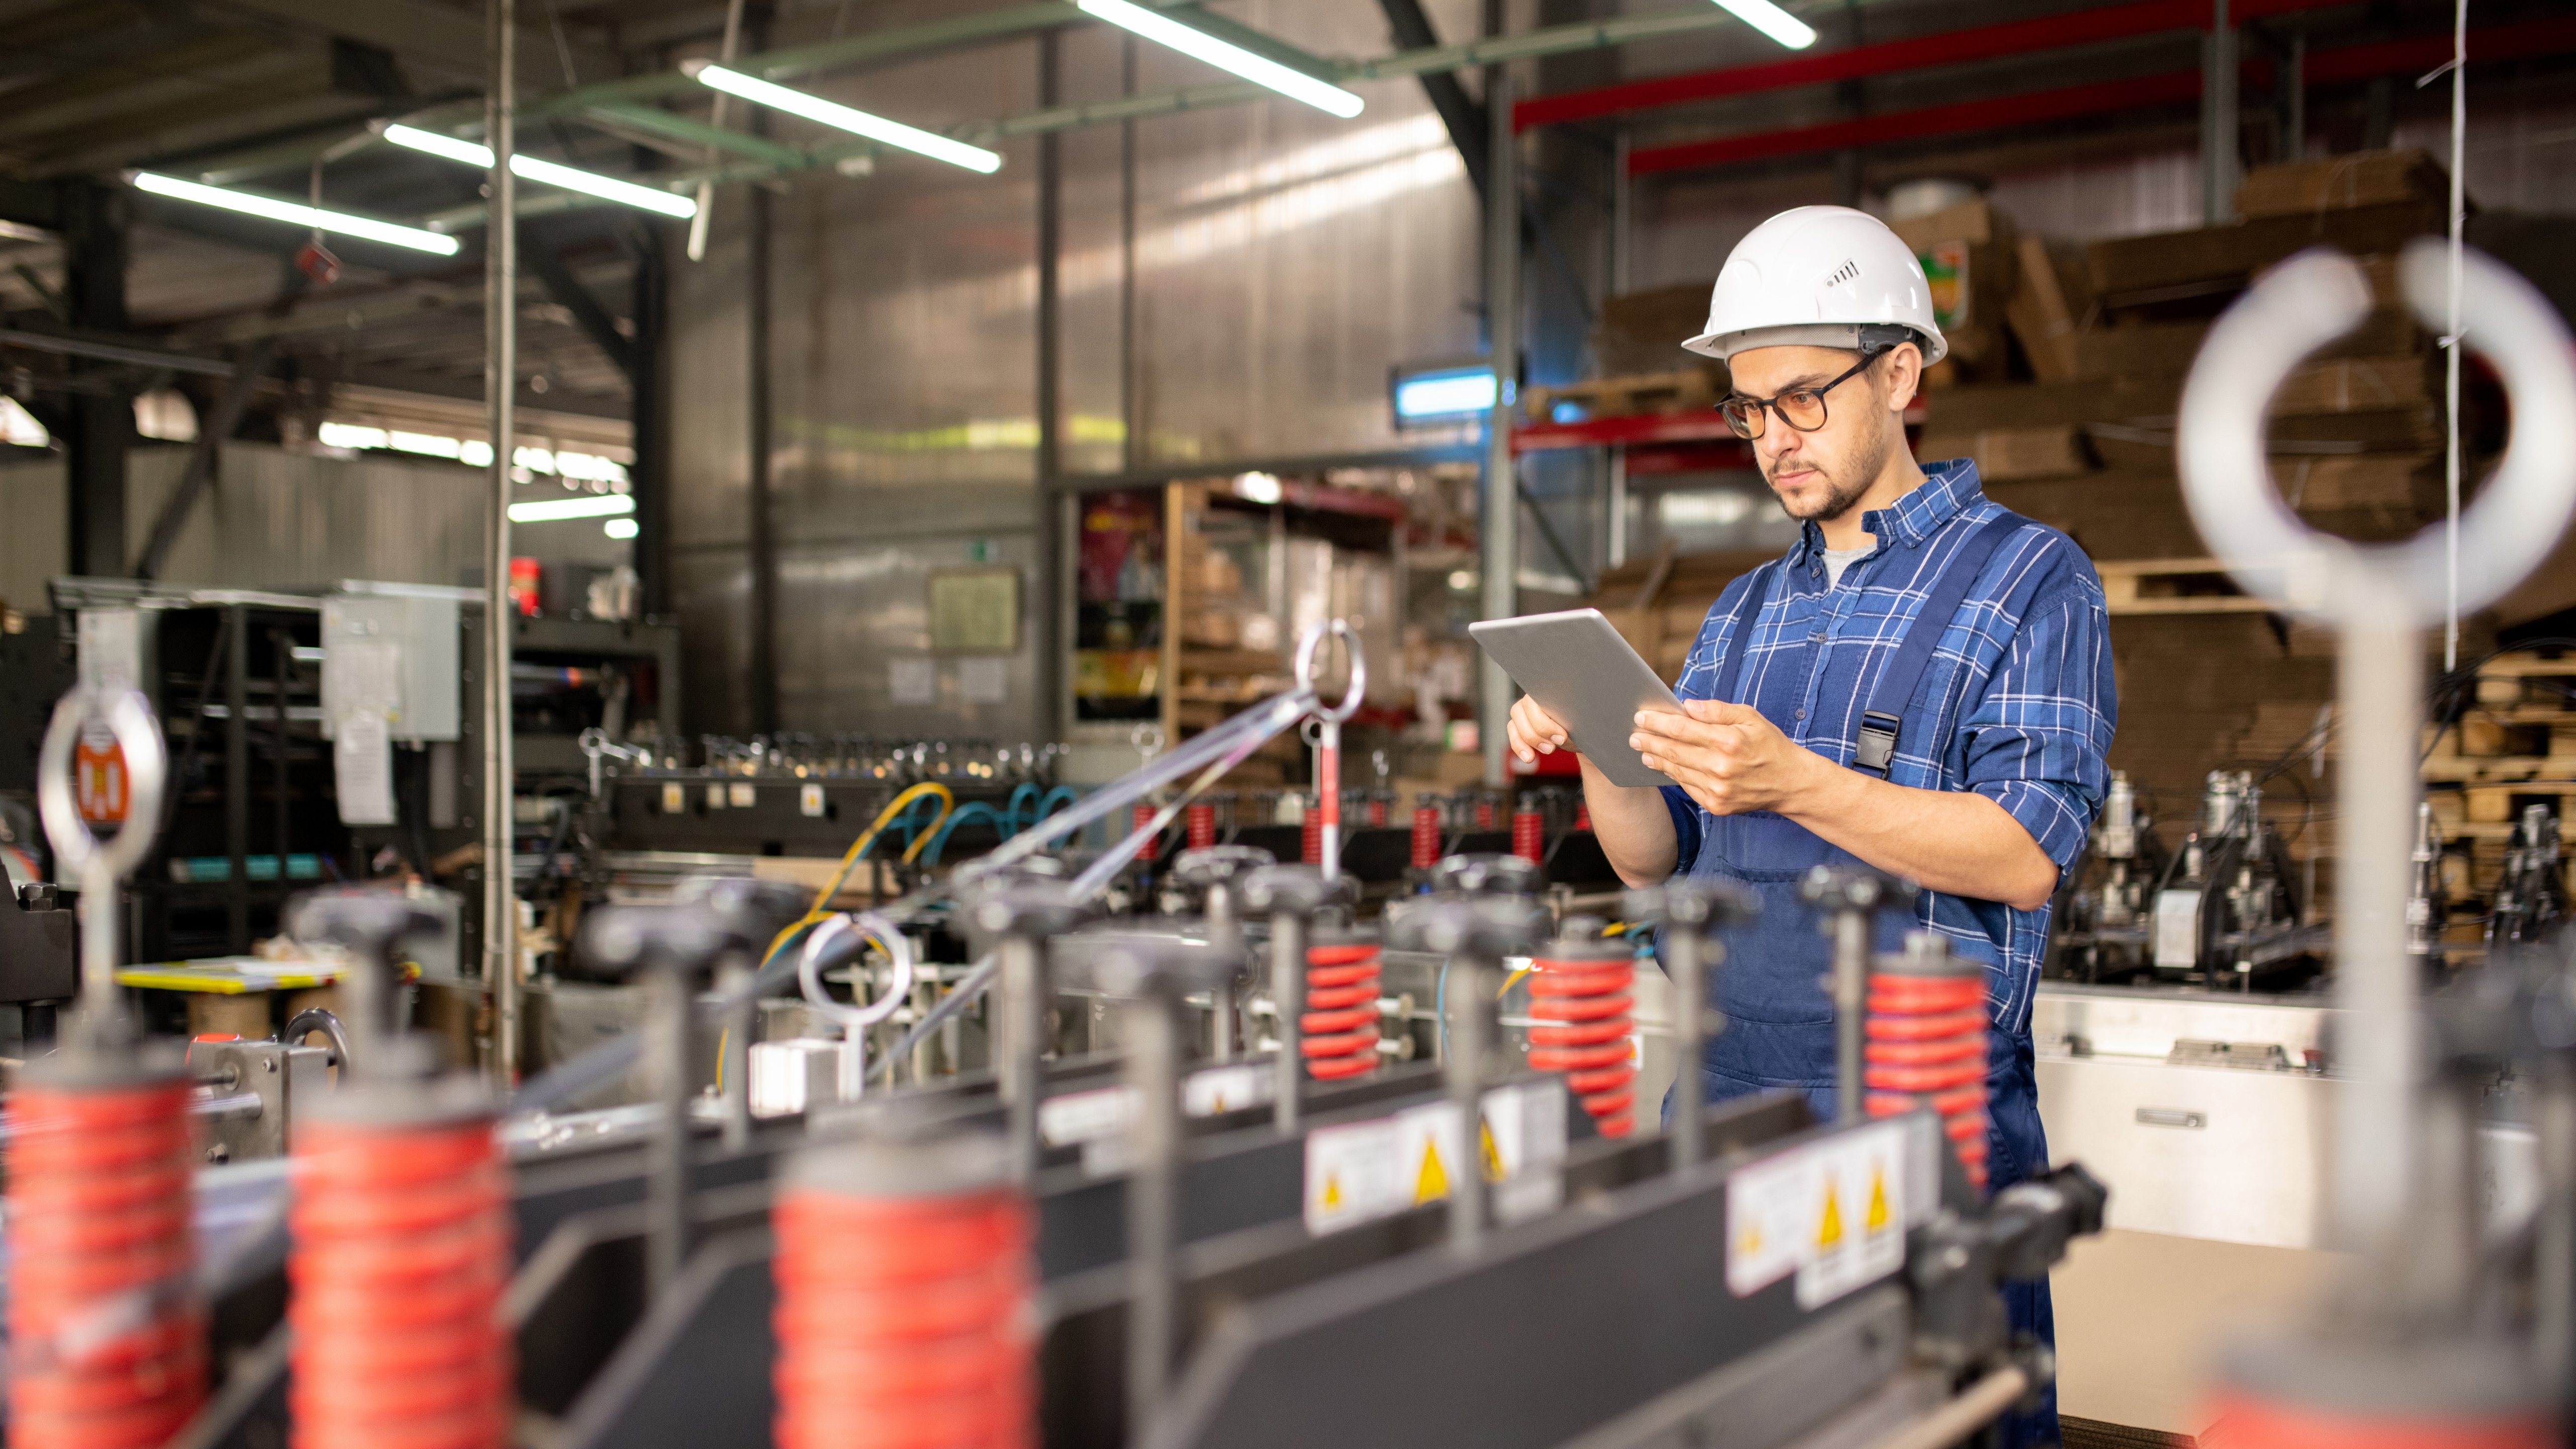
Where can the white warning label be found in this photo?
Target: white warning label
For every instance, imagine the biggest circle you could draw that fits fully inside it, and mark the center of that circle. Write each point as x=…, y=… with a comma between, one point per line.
x=1362, y=1171
x=1832, y=1212
x=1103, y=1112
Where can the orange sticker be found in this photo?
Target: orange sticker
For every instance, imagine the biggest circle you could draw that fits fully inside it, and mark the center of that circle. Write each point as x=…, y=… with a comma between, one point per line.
x=98, y=782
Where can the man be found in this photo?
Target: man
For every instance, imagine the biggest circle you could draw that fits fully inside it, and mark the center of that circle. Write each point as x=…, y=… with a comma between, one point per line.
x=1971, y=762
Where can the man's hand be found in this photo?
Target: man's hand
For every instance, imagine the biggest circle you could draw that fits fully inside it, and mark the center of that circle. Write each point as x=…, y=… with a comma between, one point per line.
x=1533, y=731
x=1725, y=756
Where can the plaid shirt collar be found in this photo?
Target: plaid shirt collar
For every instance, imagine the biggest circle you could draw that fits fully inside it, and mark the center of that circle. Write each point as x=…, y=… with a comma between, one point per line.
x=1947, y=490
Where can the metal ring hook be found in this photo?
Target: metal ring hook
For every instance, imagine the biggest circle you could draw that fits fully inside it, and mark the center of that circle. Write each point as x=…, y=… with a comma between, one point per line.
x=1309, y=650
x=870, y=926
x=2309, y=301
x=147, y=764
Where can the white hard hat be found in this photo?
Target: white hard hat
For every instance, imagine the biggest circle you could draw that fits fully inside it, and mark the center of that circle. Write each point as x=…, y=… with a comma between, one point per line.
x=1820, y=276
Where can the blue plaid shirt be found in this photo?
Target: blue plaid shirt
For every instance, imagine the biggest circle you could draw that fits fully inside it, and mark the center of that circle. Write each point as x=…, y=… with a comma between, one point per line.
x=2018, y=704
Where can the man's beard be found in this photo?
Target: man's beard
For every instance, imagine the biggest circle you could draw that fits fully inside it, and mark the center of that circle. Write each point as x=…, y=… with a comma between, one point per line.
x=1841, y=494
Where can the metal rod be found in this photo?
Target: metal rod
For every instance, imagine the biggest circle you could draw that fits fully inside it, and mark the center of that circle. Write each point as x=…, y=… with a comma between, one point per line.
x=2375, y=1157
x=741, y=1012
x=1288, y=998
x=1471, y=1000
x=668, y=1028
x=1023, y=1026
x=1689, y=979
x=1980, y=1404
x=764, y=528
x=1499, y=544
x=1153, y=1073
x=2218, y=119
x=1851, y=1001
x=281, y=664
x=1225, y=935
x=500, y=391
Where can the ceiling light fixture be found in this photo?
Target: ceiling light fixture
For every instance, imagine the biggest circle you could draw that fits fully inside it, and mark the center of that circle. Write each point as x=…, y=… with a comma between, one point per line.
x=338, y=223
x=1228, y=56
x=551, y=173
x=1771, y=20
x=844, y=118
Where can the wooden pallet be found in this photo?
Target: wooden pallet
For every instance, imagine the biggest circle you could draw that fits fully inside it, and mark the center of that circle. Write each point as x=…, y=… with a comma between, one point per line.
x=1688, y=391
x=2174, y=586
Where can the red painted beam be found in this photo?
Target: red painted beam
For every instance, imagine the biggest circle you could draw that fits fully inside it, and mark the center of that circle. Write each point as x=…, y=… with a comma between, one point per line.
x=1644, y=428
x=1954, y=47
x=2348, y=63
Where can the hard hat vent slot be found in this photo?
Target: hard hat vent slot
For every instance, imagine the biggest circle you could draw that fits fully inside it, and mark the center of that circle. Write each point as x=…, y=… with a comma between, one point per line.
x=1849, y=271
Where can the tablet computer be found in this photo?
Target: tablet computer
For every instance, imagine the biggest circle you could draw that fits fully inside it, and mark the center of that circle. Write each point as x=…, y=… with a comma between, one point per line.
x=1579, y=668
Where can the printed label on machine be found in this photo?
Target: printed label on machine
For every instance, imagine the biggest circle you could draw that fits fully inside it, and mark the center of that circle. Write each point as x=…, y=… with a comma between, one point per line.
x=1103, y=1113
x=1833, y=1212
x=1364, y=1171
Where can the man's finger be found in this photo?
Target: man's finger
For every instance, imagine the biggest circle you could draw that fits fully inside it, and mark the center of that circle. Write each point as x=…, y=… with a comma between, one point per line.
x=1720, y=712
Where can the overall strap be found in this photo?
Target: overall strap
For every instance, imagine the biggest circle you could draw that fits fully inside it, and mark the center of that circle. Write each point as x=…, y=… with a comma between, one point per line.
x=1876, y=748
x=1739, y=634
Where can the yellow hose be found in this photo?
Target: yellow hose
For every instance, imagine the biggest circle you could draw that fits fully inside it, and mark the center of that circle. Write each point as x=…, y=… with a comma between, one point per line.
x=886, y=817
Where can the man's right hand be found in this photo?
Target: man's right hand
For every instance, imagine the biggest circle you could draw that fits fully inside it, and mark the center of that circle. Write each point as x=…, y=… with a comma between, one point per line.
x=1533, y=731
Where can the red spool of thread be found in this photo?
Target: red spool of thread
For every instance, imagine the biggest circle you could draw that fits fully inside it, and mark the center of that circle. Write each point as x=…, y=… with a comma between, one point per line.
x=1581, y=997
x=1426, y=836
x=1926, y=1043
x=903, y=1314
x=401, y=1231
x=99, y=1228
x=1339, y=1030
x=1310, y=836
x=1202, y=825
x=1140, y=817
x=1529, y=834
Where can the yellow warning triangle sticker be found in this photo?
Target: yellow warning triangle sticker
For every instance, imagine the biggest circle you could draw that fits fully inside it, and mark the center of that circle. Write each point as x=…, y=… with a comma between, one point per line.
x=1332, y=1190
x=1877, y=1221
x=1433, y=1179
x=1830, y=1231
x=1493, y=1155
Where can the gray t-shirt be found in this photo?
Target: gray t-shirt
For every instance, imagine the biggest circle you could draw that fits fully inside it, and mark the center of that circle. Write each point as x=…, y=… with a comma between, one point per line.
x=1839, y=559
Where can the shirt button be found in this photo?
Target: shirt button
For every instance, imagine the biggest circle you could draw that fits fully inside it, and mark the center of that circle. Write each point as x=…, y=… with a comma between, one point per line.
x=1802, y=714
x=1817, y=637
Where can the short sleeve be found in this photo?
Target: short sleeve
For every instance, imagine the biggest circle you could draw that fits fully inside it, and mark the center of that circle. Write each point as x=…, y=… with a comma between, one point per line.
x=2038, y=742
x=1685, y=813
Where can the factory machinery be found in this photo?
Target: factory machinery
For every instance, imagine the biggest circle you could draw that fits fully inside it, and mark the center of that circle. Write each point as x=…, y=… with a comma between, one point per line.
x=1149, y=1222
x=1177, y=1232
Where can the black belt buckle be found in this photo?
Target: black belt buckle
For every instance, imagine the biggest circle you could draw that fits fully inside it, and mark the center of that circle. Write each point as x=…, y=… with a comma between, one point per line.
x=1877, y=742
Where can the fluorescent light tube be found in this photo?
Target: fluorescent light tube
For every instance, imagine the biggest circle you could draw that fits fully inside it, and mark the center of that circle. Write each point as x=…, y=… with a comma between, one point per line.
x=586, y=505
x=1771, y=20
x=845, y=118
x=339, y=223
x=552, y=173
x=1226, y=55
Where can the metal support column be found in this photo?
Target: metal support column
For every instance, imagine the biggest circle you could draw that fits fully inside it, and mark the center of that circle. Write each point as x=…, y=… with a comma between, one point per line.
x=2218, y=118
x=101, y=425
x=237, y=779
x=2292, y=88
x=1052, y=645
x=764, y=535
x=1499, y=530
x=650, y=410
x=500, y=620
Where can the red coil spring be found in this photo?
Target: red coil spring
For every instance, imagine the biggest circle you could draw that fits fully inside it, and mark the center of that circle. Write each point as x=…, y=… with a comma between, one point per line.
x=1583, y=1004
x=1582, y=814
x=402, y=1254
x=1140, y=817
x=903, y=1321
x=1484, y=812
x=1426, y=836
x=1377, y=810
x=1927, y=1046
x=1310, y=838
x=2258, y=1423
x=1529, y=835
x=99, y=1206
x=1202, y=819
x=1339, y=1027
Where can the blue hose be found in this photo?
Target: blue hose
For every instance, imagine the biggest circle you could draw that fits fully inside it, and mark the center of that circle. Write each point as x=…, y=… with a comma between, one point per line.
x=1012, y=820
x=1048, y=806
x=978, y=810
x=905, y=820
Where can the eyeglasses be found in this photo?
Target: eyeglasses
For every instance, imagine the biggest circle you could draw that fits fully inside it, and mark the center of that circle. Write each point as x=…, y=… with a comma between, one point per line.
x=1802, y=409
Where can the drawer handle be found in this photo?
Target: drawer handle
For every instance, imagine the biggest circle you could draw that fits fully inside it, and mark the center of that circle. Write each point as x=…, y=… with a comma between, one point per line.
x=2170, y=1117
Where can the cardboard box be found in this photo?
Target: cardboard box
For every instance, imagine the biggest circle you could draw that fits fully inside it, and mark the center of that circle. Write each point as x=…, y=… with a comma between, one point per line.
x=2010, y=455
x=1643, y=332
x=2043, y=316
x=1973, y=220
x=2129, y=270
x=2365, y=178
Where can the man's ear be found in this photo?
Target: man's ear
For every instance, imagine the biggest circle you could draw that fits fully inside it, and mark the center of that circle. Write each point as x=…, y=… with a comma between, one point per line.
x=1904, y=375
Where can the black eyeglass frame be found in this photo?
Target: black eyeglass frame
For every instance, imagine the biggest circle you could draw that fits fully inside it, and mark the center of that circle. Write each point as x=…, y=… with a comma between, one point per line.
x=1766, y=405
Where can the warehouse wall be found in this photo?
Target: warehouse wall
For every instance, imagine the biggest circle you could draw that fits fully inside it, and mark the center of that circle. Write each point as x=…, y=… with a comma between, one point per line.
x=1284, y=259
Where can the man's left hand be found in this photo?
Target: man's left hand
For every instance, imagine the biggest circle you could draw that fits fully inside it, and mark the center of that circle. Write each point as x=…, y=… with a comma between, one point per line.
x=1725, y=756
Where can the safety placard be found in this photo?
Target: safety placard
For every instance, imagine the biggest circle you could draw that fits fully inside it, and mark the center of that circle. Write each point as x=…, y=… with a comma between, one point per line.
x=1363, y=1171
x=1832, y=1212
x=1104, y=1112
